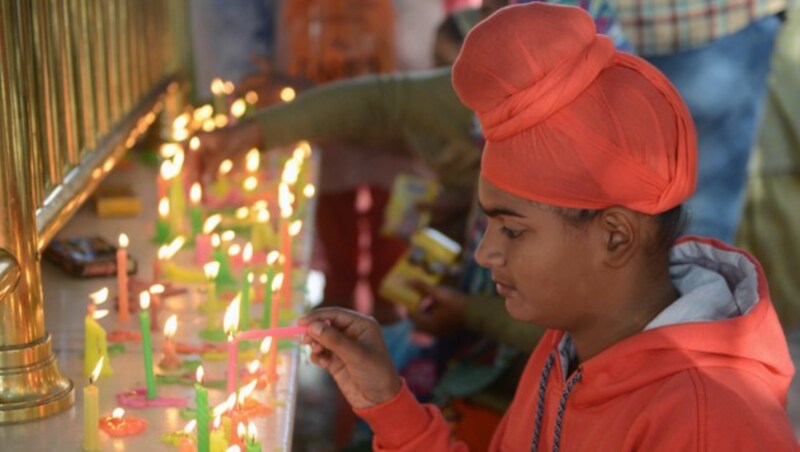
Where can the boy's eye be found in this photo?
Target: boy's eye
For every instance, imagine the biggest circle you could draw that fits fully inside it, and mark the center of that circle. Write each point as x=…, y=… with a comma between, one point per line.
x=510, y=233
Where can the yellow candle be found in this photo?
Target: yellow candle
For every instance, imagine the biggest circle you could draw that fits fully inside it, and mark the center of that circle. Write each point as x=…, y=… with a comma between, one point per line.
x=91, y=410
x=218, y=441
x=95, y=344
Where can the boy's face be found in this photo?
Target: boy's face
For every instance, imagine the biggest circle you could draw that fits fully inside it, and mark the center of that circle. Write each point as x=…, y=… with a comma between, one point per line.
x=542, y=266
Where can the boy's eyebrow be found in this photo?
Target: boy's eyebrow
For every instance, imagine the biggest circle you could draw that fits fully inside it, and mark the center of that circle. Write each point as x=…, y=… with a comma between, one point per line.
x=494, y=212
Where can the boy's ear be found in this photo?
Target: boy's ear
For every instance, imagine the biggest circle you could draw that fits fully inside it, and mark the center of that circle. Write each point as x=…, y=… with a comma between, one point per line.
x=620, y=232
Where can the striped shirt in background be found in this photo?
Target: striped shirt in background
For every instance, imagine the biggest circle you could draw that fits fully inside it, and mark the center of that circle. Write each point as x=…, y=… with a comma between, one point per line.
x=658, y=27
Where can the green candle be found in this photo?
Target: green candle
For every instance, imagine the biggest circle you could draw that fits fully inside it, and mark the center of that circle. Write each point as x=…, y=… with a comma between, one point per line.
x=252, y=444
x=201, y=407
x=195, y=209
x=224, y=275
x=147, y=348
x=163, y=232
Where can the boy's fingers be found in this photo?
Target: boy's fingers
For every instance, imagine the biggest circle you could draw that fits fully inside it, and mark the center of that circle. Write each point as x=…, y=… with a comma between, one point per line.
x=334, y=341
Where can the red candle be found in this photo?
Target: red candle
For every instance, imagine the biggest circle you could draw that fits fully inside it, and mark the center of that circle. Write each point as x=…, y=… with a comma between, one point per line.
x=170, y=359
x=119, y=425
x=122, y=279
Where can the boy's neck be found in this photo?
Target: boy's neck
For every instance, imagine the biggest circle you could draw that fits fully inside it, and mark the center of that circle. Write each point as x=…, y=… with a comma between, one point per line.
x=628, y=317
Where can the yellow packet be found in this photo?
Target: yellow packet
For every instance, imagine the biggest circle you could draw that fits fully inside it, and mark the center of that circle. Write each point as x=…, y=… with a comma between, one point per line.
x=402, y=217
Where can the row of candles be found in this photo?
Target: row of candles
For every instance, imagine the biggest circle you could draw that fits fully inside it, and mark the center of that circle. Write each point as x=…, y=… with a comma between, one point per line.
x=207, y=242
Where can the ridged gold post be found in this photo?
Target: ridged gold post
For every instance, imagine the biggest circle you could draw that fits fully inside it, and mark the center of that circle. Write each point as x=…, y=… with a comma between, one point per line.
x=30, y=383
x=80, y=82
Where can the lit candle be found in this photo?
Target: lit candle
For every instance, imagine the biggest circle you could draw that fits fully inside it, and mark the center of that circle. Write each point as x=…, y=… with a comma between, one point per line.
x=170, y=359
x=212, y=305
x=164, y=171
x=247, y=280
x=163, y=232
x=201, y=406
x=155, y=305
x=217, y=439
x=220, y=100
x=231, y=326
x=118, y=425
x=272, y=357
x=202, y=243
x=267, y=279
x=222, y=184
x=122, y=279
x=95, y=344
x=196, y=210
x=147, y=348
x=253, y=445
x=91, y=410
x=293, y=230
x=177, y=198
x=163, y=265
x=287, y=94
x=251, y=98
x=238, y=109
x=224, y=276
x=185, y=443
x=161, y=256
x=261, y=233
x=285, y=202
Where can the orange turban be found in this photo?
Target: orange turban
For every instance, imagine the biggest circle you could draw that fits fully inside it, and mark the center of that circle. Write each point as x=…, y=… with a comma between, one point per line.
x=568, y=120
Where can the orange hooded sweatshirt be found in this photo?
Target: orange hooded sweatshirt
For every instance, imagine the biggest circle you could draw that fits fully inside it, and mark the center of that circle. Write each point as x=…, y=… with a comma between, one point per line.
x=709, y=373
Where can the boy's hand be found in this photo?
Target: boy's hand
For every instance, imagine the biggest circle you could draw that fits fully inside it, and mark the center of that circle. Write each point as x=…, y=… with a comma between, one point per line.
x=443, y=310
x=231, y=142
x=350, y=347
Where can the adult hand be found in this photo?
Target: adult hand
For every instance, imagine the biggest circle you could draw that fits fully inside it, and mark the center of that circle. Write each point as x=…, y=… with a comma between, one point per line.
x=443, y=310
x=231, y=142
x=350, y=347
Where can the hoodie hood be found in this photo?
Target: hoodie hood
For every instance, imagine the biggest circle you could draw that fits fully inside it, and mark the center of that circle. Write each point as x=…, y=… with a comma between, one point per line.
x=723, y=318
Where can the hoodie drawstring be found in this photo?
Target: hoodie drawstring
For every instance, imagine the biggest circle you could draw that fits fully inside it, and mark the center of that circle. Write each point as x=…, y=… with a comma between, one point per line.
x=562, y=406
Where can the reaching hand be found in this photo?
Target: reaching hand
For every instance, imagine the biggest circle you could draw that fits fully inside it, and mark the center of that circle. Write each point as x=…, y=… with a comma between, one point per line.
x=231, y=142
x=349, y=346
x=443, y=310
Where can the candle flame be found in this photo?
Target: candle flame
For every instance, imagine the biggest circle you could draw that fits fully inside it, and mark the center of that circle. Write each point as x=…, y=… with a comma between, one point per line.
x=260, y=204
x=231, y=321
x=277, y=283
x=228, y=235
x=118, y=413
x=247, y=391
x=156, y=289
x=220, y=121
x=291, y=171
x=171, y=326
x=266, y=345
x=194, y=143
x=211, y=269
x=229, y=87
x=251, y=97
x=306, y=147
x=251, y=431
x=220, y=409
x=123, y=240
x=190, y=426
x=242, y=212
x=247, y=253
x=199, y=374
x=250, y=183
x=262, y=216
x=253, y=160
x=163, y=208
x=263, y=278
x=97, y=368
x=180, y=134
x=203, y=113
x=250, y=277
x=225, y=167
x=167, y=170
x=272, y=257
x=234, y=448
x=309, y=190
x=99, y=314
x=195, y=193
x=241, y=430
x=144, y=300
x=215, y=240
x=209, y=125
x=174, y=246
x=253, y=366
x=167, y=151
x=230, y=403
x=217, y=86
x=100, y=296
x=211, y=223
x=285, y=200
x=295, y=227
x=162, y=252
x=234, y=249
x=217, y=421
x=238, y=108
x=288, y=94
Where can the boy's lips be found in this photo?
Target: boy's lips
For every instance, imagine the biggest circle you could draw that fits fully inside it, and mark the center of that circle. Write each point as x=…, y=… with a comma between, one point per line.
x=503, y=289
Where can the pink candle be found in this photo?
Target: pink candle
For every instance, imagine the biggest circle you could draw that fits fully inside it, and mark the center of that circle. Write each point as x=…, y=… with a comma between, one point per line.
x=122, y=279
x=275, y=333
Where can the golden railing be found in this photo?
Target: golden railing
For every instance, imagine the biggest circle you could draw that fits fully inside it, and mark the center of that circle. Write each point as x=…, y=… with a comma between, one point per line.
x=80, y=82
